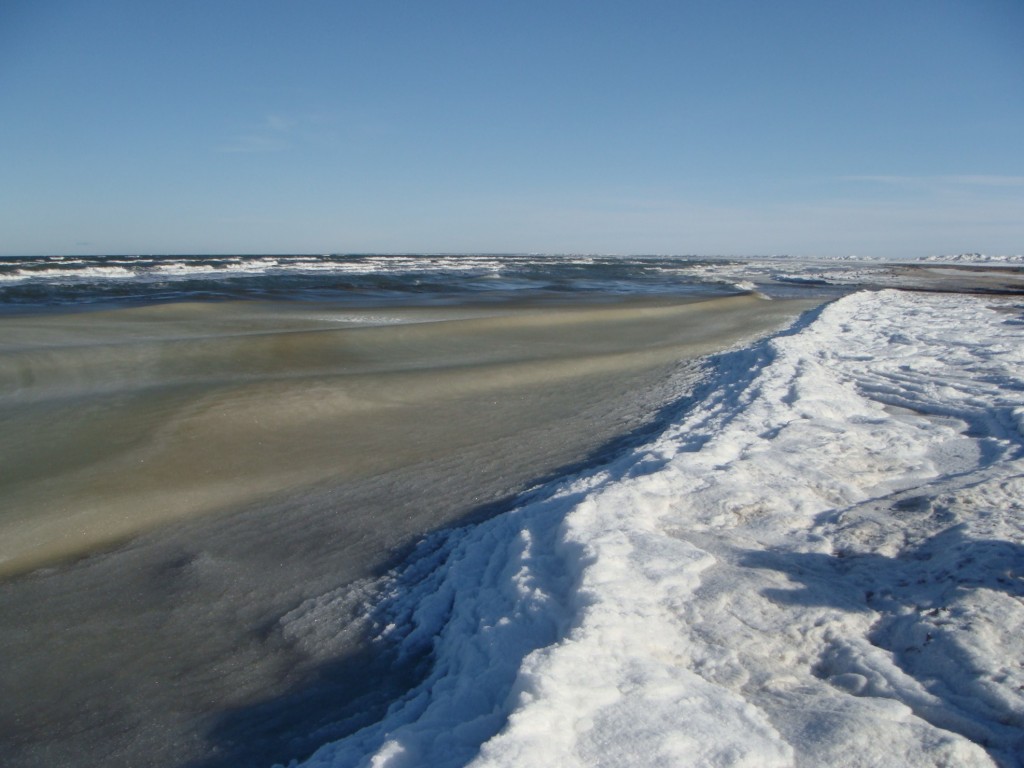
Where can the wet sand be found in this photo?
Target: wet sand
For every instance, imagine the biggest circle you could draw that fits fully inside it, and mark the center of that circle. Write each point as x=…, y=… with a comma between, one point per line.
x=198, y=497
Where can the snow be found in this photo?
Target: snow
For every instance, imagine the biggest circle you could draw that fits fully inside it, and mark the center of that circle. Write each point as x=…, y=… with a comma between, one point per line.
x=975, y=258
x=819, y=562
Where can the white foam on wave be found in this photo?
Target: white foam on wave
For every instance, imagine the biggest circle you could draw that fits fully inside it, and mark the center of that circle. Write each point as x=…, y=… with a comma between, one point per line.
x=232, y=266
x=147, y=269
x=63, y=274
x=819, y=562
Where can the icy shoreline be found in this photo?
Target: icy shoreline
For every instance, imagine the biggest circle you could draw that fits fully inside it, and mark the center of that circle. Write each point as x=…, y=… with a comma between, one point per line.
x=819, y=563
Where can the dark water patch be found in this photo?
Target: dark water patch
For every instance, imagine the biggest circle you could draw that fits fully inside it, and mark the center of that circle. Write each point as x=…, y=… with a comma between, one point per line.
x=350, y=278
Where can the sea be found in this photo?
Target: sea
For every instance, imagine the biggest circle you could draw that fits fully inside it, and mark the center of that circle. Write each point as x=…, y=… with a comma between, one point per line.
x=266, y=509
x=358, y=280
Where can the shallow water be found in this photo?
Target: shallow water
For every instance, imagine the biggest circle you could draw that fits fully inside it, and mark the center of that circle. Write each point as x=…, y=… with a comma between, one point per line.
x=230, y=467
x=119, y=421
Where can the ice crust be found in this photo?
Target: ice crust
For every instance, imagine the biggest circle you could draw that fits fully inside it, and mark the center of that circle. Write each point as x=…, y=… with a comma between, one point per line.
x=819, y=562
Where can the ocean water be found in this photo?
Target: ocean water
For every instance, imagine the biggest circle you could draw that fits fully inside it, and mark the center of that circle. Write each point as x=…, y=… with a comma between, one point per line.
x=352, y=279
x=429, y=510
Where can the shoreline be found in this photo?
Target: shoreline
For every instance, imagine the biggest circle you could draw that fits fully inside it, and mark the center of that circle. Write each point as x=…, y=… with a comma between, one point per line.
x=210, y=602
x=799, y=563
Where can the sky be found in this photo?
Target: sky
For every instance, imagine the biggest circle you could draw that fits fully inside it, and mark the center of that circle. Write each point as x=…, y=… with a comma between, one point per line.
x=738, y=127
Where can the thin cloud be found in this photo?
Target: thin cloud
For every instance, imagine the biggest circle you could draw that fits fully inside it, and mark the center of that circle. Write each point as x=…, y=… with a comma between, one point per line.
x=281, y=133
x=274, y=134
x=973, y=180
x=254, y=143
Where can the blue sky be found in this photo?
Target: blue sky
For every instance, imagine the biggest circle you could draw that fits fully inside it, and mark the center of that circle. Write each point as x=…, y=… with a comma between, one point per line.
x=733, y=128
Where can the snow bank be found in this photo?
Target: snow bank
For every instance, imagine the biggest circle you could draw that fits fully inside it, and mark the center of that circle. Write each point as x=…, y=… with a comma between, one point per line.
x=820, y=563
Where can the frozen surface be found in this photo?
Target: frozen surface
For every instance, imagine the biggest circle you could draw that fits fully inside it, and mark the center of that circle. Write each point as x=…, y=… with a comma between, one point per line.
x=977, y=258
x=819, y=562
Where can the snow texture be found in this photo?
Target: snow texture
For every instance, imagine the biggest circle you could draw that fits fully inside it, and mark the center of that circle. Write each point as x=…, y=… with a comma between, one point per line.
x=819, y=562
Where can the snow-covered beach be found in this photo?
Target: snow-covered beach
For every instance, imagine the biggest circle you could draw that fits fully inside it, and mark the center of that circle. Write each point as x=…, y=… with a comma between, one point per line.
x=818, y=562
x=669, y=511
